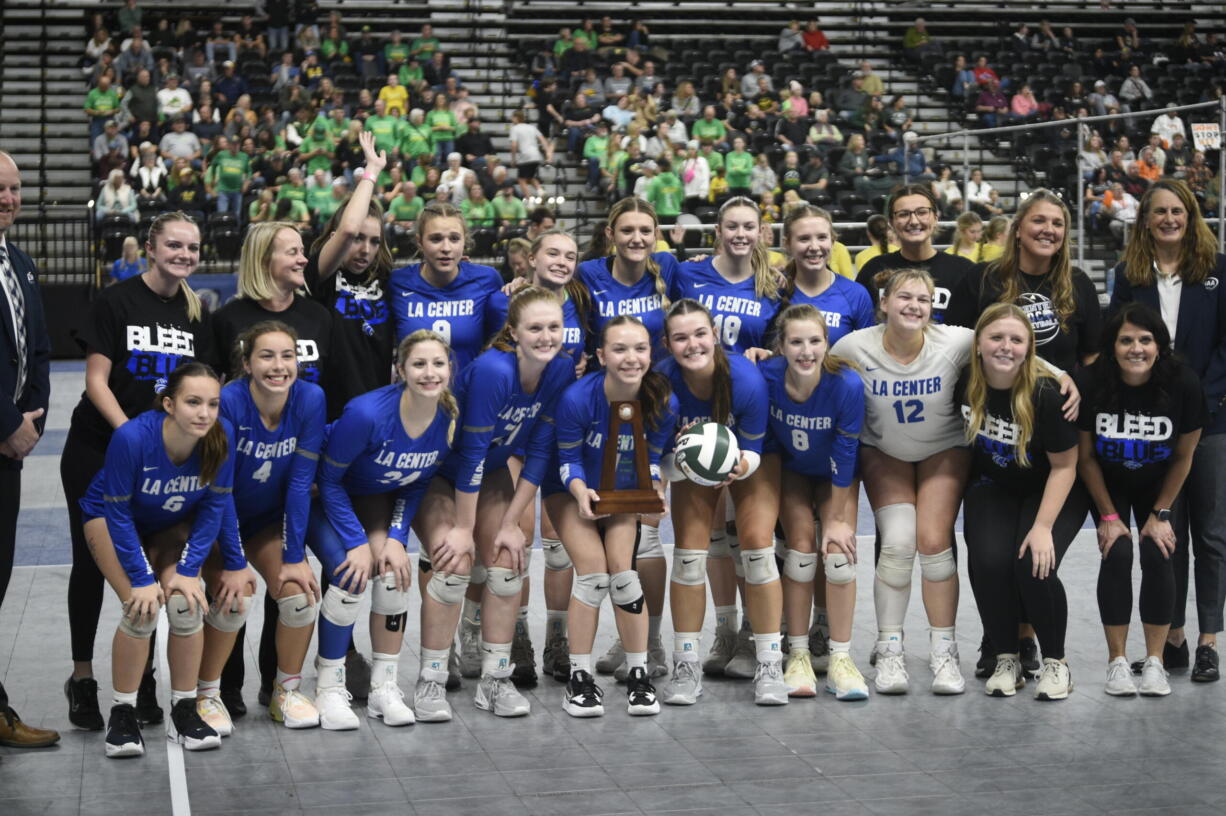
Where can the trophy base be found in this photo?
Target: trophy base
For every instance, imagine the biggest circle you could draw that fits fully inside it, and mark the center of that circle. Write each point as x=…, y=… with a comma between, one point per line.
x=646, y=502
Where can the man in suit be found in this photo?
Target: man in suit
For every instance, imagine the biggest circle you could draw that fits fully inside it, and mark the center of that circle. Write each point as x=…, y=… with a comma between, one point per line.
x=25, y=385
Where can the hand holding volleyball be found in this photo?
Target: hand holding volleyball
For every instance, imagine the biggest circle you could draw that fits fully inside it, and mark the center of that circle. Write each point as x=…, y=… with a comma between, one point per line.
x=707, y=453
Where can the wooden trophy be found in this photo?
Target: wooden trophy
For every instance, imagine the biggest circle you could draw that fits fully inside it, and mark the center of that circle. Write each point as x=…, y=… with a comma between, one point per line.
x=643, y=498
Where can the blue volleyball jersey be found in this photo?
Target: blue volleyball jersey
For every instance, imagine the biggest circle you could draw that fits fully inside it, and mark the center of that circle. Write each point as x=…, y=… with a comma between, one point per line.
x=845, y=304
x=456, y=311
x=574, y=337
x=741, y=317
x=819, y=437
x=274, y=470
x=499, y=417
x=611, y=298
x=368, y=452
x=140, y=491
x=749, y=401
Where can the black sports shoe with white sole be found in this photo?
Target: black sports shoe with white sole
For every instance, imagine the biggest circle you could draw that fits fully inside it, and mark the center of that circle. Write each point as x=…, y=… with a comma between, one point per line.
x=1173, y=657
x=986, y=664
x=1029, y=656
x=148, y=712
x=188, y=729
x=1206, y=668
x=641, y=698
x=83, y=709
x=123, y=738
x=583, y=697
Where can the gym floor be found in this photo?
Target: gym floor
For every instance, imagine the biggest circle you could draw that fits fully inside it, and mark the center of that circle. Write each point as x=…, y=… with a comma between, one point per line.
x=914, y=754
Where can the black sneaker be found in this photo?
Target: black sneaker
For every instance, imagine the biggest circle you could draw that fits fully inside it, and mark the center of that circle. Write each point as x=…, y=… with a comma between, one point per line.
x=148, y=712
x=83, y=703
x=233, y=698
x=187, y=728
x=357, y=675
x=123, y=737
x=583, y=697
x=524, y=658
x=1029, y=651
x=1206, y=668
x=640, y=694
x=264, y=698
x=1173, y=657
x=986, y=664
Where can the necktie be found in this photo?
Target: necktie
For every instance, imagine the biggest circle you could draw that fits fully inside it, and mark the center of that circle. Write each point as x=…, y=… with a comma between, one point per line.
x=17, y=304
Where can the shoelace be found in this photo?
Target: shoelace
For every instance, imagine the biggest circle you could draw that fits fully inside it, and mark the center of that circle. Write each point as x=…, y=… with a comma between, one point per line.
x=686, y=671
x=723, y=643
x=124, y=720
x=430, y=690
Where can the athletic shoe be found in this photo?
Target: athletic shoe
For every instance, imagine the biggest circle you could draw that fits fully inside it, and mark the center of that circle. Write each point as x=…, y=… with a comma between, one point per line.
x=768, y=686
x=987, y=659
x=148, y=712
x=583, y=697
x=335, y=713
x=1175, y=657
x=891, y=671
x=1028, y=655
x=470, y=649
x=1206, y=668
x=640, y=695
x=819, y=649
x=453, y=669
x=1055, y=680
x=123, y=737
x=609, y=661
x=657, y=660
x=555, y=660
x=523, y=658
x=947, y=673
x=1119, y=679
x=1007, y=678
x=293, y=708
x=83, y=703
x=264, y=698
x=499, y=695
x=799, y=676
x=386, y=703
x=1153, y=679
x=429, y=698
x=357, y=675
x=744, y=662
x=214, y=713
x=844, y=680
x=186, y=727
x=684, y=687
x=721, y=652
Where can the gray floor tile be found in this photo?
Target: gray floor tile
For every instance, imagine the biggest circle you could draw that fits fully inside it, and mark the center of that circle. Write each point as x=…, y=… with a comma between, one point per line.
x=450, y=786
x=799, y=790
x=596, y=803
x=891, y=786
x=472, y=806
x=656, y=774
x=733, y=769
x=42, y=806
x=565, y=780
x=341, y=770
x=684, y=797
x=367, y=791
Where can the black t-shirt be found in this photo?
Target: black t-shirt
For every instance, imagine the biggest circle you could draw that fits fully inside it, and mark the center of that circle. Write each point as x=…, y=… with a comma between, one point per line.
x=1135, y=439
x=994, y=451
x=1060, y=347
x=310, y=319
x=947, y=272
x=789, y=177
x=361, y=354
x=187, y=197
x=145, y=337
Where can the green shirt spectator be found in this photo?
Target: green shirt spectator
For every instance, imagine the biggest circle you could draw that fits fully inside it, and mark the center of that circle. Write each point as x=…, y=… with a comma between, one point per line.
x=102, y=103
x=442, y=124
x=415, y=141
x=336, y=127
x=319, y=143
x=595, y=147
x=396, y=53
x=509, y=208
x=327, y=207
x=709, y=132
x=477, y=214
x=385, y=129
x=665, y=193
x=715, y=159
x=739, y=166
x=298, y=210
x=317, y=198
x=229, y=171
x=293, y=189
x=410, y=74
x=425, y=45
x=402, y=210
x=331, y=49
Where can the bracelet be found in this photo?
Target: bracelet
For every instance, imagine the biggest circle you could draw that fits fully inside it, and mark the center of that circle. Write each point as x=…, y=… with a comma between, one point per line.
x=372, y=178
x=1110, y=517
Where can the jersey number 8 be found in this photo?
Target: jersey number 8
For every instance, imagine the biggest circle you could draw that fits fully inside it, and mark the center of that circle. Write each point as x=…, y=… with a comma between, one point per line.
x=443, y=329
x=800, y=440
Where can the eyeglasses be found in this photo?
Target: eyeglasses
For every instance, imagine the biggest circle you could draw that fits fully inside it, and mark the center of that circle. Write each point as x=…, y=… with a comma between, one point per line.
x=919, y=212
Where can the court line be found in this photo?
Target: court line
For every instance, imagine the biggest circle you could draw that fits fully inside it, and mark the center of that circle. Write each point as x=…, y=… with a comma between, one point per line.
x=180, y=802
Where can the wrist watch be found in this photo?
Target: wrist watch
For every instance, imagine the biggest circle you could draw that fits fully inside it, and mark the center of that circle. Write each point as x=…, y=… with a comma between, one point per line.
x=1163, y=514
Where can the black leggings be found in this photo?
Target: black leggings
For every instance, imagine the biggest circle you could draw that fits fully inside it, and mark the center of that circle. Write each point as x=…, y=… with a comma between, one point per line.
x=995, y=522
x=79, y=463
x=234, y=673
x=1157, y=571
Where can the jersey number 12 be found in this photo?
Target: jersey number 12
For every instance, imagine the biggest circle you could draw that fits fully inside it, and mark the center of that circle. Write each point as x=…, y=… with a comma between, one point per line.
x=909, y=411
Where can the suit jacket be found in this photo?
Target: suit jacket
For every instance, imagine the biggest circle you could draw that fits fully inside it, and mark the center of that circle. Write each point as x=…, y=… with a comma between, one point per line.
x=1201, y=335
x=38, y=354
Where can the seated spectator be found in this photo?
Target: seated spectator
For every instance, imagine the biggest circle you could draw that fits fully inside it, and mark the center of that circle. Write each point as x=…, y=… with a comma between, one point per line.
x=1046, y=39
x=1134, y=183
x=763, y=177
x=1199, y=176
x=1121, y=207
x=368, y=56
x=229, y=87
x=790, y=130
x=110, y=141
x=685, y=101
x=130, y=263
x=1167, y=124
x=1135, y=93
x=855, y=160
x=579, y=119
x=979, y=195
x=770, y=213
x=116, y=198
x=395, y=97
x=715, y=159
x=197, y=70
x=219, y=39
x=180, y=143
x=206, y=124
x=132, y=58
x=1019, y=40
x=149, y=175
x=141, y=99
x=1023, y=107
x=984, y=73
x=665, y=192
x=814, y=38
x=437, y=71
x=412, y=76
x=1123, y=145
x=749, y=83
x=647, y=81
x=1103, y=101
x=395, y=51
x=308, y=39
x=294, y=211
x=250, y=38
x=908, y=156
x=897, y=118
x=425, y=44
x=788, y=172
x=948, y=192
x=1178, y=156
x=968, y=235
x=101, y=105
x=917, y=42
x=964, y=78
x=790, y=38
x=456, y=179
x=311, y=72
x=240, y=117
x=991, y=104
x=173, y=100
x=814, y=177
x=595, y=148
x=262, y=208
x=319, y=190
x=617, y=84
x=576, y=61
x=1147, y=167
x=608, y=37
x=1158, y=153
x=822, y=134
x=618, y=114
x=98, y=45
x=334, y=47
x=1092, y=157
x=474, y=145
x=879, y=180
x=738, y=167
x=386, y=128
x=1128, y=41
x=509, y=208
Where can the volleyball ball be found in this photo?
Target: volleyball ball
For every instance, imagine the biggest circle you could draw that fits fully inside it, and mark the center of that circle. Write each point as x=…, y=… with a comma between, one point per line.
x=707, y=453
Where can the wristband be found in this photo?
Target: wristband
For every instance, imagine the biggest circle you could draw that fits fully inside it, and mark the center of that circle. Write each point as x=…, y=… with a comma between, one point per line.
x=1110, y=517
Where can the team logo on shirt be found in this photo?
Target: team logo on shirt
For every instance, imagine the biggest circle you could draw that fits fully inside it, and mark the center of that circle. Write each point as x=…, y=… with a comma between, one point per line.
x=155, y=351
x=1133, y=440
x=997, y=438
x=361, y=301
x=1210, y=284
x=1043, y=318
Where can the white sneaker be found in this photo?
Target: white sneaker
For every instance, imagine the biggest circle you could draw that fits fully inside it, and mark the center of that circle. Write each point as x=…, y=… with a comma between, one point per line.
x=819, y=649
x=335, y=713
x=1153, y=678
x=685, y=685
x=292, y=707
x=946, y=673
x=1007, y=678
x=1119, y=679
x=386, y=702
x=891, y=670
x=430, y=698
x=844, y=680
x=721, y=652
x=214, y=712
x=1055, y=680
x=768, y=686
x=611, y=660
x=744, y=662
x=499, y=696
x=657, y=659
x=470, y=649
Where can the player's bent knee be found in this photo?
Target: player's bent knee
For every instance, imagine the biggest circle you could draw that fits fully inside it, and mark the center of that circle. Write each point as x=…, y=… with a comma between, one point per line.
x=227, y=619
x=591, y=588
x=295, y=611
x=556, y=558
x=139, y=628
x=689, y=567
x=800, y=567
x=627, y=591
x=896, y=527
x=478, y=576
x=839, y=569
x=759, y=566
x=447, y=588
x=340, y=607
x=385, y=598
x=503, y=582
x=185, y=618
x=938, y=566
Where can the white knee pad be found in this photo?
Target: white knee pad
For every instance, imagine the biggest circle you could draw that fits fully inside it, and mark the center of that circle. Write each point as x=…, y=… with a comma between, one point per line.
x=478, y=574
x=185, y=618
x=689, y=567
x=141, y=629
x=839, y=569
x=718, y=547
x=503, y=582
x=385, y=599
x=340, y=607
x=227, y=620
x=938, y=566
x=556, y=558
x=626, y=591
x=591, y=588
x=295, y=611
x=649, y=542
x=800, y=567
x=759, y=566
x=896, y=526
x=447, y=588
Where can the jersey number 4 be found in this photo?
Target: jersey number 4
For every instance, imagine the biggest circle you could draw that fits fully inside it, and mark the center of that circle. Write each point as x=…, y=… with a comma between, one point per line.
x=262, y=473
x=909, y=411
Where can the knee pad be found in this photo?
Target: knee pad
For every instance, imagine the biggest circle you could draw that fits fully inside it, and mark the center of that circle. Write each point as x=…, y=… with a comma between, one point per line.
x=626, y=591
x=649, y=542
x=447, y=588
x=800, y=567
x=938, y=566
x=295, y=612
x=689, y=567
x=340, y=607
x=385, y=599
x=185, y=618
x=896, y=527
x=718, y=547
x=591, y=588
x=477, y=575
x=556, y=558
x=839, y=569
x=503, y=582
x=139, y=629
x=759, y=566
x=227, y=620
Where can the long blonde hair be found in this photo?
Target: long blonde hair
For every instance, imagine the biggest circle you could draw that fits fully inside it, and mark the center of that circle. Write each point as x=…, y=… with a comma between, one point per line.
x=1021, y=395
x=447, y=400
x=195, y=309
x=634, y=204
x=1006, y=270
x=765, y=284
x=1197, y=253
x=254, y=275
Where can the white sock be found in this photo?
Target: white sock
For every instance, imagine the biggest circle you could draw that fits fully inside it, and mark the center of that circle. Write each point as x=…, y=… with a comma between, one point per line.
x=208, y=688
x=767, y=646
x=331, y=672
x=383, y=668
x=798, y=642
x=843, y=646
x=119, y=698
x=636, y=660
x=434, y=659
x=725, y=618
x=472, y=613
x=289, y=682
x=653, y=627
x=181, y=694
x=495, y=659
x=941, y=640
x=685, y=645
x=555, y=623
x=580, y=662
x=889, y=640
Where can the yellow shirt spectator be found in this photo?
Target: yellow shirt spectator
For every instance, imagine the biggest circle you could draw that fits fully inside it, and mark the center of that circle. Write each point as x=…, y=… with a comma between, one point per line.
x=395, y=96
x=866, y=255
x=840, y=260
